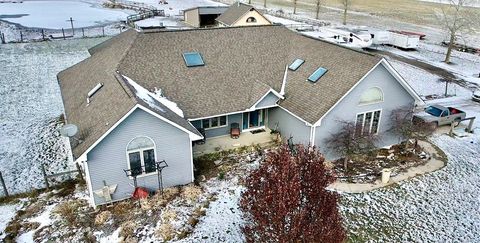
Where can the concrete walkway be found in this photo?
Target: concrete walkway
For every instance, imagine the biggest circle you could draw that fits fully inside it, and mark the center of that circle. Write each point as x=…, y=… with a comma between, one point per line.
x=436, y=162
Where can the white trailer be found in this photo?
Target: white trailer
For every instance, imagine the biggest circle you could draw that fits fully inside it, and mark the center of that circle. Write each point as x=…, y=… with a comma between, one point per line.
x=404, y=41
x=382, y=38
x=397, y=39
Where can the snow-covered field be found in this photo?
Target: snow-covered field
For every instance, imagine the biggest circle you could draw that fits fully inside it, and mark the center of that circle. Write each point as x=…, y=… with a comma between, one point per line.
x=31, y=104
x=53, y=14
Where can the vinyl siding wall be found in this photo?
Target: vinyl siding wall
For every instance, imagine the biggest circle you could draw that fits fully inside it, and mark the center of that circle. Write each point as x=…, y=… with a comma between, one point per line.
x=192, y=17
x=395, y=96
x=288, y=125
x=221, y=131
x=108, y=159
x=269, y=100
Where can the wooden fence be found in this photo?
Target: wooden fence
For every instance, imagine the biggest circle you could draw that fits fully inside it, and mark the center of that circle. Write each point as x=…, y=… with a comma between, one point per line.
x=38, y=35
x=46, y=177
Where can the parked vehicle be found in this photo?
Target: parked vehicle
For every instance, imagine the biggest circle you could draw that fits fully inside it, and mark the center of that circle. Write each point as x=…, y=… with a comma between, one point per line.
x=476, y=96
x=440, y=115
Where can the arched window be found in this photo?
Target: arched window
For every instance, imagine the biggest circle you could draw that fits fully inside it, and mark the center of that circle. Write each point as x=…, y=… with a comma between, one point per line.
x=141, y=156
x=251, y=20
x=372, y=95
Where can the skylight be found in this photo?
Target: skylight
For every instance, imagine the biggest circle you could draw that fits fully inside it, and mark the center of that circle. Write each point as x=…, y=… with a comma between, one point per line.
x=317, y=74
x=296, y=64
x=193, y=59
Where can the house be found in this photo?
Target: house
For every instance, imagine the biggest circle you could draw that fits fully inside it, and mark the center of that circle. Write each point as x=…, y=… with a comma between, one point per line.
x=142, y=97
x=203, y=16
x=240, y=14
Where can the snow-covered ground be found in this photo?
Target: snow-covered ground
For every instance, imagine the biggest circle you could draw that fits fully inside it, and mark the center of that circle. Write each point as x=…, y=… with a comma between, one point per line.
x=439, y=207
x=7, y=212
x=31, y=103
x=425, y=83
x=472, y=3
x=53, y=14
x=464, y=65
x=174, y=7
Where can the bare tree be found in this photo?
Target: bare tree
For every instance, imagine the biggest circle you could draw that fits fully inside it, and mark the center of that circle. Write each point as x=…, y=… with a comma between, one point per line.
x=318, y=8
x=349, y=141
x=456, y=17
x=346, y=6
x=264, y=3
x=405, y=126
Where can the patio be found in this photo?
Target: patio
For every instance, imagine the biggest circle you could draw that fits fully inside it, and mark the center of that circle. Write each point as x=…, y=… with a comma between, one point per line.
x=225, y=142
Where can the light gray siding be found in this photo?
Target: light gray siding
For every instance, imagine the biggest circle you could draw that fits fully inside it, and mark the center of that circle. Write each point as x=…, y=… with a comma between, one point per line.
x=288, y=125
x=395, y=96
x=267, y=101
x=108, y=159
x=221, y=131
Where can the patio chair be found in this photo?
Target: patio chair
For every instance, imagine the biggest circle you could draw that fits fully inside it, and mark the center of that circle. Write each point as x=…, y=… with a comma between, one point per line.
x=234, y=130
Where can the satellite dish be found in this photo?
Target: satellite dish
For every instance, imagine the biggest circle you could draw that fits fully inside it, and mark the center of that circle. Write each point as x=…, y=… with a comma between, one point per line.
x=68, y=130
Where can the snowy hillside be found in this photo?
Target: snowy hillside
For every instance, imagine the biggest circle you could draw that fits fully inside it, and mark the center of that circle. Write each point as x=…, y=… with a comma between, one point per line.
x=31, y=105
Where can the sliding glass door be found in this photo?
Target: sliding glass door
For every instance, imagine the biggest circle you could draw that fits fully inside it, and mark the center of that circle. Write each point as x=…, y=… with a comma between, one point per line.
x=254, y=119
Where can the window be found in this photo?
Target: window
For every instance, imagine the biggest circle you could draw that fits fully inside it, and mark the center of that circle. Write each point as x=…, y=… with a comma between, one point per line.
x=367, y=123
x=296, y=64
x=214, y=122
x=251, y=20
x=372, y=95
x=141, y=156
x=193, y=59
x=317, y=74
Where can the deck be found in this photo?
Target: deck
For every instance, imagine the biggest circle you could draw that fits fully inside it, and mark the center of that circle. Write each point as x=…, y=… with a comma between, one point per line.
x=225, y=142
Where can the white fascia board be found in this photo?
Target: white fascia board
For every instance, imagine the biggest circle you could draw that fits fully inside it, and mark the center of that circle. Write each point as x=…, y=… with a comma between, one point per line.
x=299, y=118
x=252, y=108
x=192, y=136
x=392, y=71
x=402, y=81
x=84, y=155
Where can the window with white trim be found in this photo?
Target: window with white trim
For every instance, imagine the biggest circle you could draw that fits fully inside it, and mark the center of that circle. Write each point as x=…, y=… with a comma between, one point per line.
x=367, y=123
x=214, y=122
x=371, y=96
x=141, y=156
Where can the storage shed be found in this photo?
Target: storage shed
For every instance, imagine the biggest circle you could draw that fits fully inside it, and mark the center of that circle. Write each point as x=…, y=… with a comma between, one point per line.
x=203, y=16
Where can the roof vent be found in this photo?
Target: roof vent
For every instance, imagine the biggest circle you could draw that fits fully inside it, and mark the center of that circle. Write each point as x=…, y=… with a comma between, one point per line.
x=317, y=74
x=93, y=91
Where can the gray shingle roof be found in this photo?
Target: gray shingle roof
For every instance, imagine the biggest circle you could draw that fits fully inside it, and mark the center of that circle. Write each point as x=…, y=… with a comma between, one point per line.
x=234, y=12
x=241, y=65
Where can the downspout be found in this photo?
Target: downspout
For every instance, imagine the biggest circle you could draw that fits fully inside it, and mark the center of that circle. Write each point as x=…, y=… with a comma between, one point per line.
x=312, y=140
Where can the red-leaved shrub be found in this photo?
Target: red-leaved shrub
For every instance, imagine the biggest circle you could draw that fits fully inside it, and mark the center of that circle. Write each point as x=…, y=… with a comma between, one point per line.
x=286, y=199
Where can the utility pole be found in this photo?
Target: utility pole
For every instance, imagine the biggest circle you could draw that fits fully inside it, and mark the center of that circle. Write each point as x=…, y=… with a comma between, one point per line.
x=71, y=23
